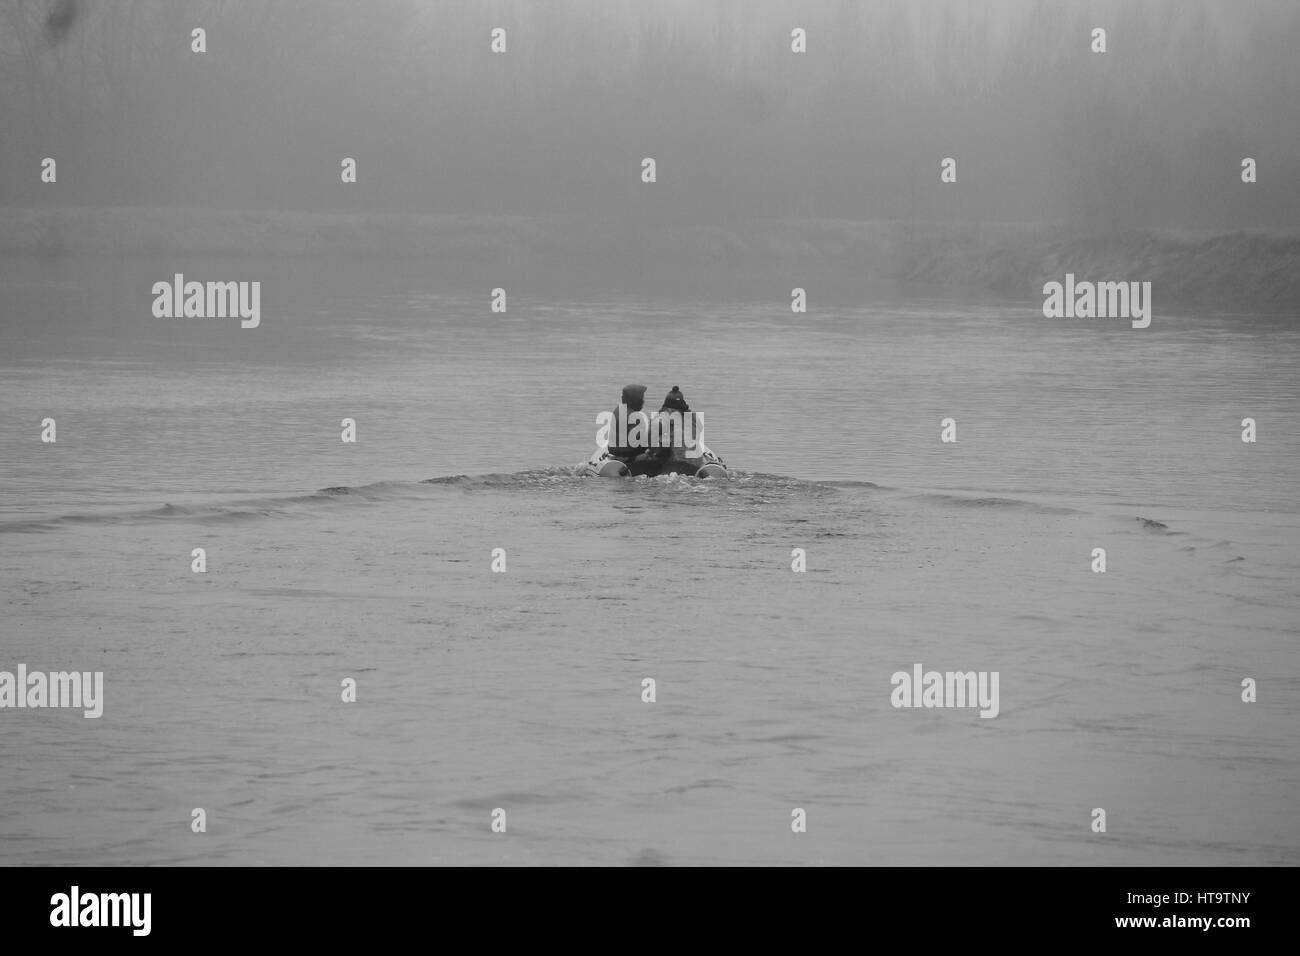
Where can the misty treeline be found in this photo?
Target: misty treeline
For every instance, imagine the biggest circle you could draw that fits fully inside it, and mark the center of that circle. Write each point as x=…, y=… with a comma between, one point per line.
x=1150, y=133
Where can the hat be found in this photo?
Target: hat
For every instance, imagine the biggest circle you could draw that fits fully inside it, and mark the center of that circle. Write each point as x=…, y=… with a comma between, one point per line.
x=633, y=397
x=675, y=401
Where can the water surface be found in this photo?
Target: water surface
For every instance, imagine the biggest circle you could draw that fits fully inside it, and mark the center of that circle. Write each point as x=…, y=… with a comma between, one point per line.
x=523, y=690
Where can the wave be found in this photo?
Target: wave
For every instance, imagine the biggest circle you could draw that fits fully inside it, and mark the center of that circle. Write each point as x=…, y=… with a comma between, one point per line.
x=993, y=501
x=288, y=506
x=243, y=509
x=739, y=489
x=535, y=476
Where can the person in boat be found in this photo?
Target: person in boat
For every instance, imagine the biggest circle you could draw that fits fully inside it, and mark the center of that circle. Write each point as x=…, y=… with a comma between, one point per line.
x=630, y=408
x=677, y=433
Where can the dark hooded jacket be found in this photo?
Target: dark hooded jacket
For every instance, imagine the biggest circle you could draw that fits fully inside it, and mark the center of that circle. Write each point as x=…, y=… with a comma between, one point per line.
x=633, y=400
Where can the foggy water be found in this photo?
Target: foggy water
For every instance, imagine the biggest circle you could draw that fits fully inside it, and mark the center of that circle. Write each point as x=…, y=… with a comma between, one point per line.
x=522, y=690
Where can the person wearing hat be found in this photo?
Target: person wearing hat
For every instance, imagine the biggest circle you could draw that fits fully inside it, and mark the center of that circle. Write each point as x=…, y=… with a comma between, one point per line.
x=677, y=423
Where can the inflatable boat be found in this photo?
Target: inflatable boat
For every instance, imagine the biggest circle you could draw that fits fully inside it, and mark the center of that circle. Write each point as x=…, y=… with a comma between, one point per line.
x=671, y=432
x=605, y=465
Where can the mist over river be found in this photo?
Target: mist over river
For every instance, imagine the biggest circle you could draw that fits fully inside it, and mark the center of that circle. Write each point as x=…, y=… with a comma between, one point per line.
x=478, y=690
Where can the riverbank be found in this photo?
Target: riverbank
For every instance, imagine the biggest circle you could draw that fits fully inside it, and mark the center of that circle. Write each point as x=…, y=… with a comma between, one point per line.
x=1237, y=271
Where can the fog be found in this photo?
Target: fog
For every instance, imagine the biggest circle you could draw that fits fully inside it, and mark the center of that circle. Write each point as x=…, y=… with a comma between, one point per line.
x=1149, y=134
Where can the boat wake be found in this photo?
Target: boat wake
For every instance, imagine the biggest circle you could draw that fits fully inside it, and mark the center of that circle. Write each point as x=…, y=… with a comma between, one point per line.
x=564, y=479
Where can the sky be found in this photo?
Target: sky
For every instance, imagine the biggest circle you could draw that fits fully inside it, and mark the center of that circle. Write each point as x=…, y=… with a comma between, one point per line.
x=1150, y=133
